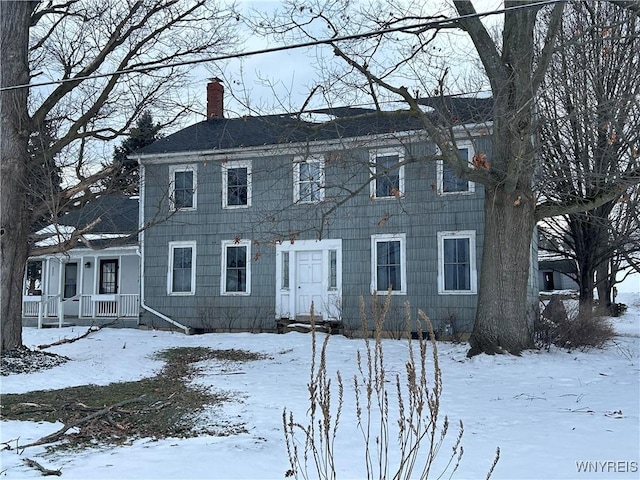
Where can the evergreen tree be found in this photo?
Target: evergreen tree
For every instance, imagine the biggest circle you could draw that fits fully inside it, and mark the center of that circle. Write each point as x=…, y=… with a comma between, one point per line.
x=125, y=177
x=44, y=176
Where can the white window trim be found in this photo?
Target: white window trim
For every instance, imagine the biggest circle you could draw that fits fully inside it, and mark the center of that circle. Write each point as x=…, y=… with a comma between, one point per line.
x=471, y=235
x=384, y=152
x=172, y=186
x=223, y=267
x=296, y=177
x=471, y=186
x=225, y=182
x=402, y=237
x=172, y=246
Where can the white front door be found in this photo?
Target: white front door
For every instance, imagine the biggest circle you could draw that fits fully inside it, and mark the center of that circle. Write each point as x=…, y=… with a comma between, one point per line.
x=309, y=282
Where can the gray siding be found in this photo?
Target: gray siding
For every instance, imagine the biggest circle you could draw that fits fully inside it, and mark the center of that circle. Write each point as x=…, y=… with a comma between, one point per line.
x=420, y=214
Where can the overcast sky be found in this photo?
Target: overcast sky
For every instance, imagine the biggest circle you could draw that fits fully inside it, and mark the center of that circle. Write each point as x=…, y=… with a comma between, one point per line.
x=289, y=73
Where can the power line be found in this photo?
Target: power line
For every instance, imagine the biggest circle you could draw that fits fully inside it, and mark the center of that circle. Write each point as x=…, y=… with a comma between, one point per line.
x=327, y=41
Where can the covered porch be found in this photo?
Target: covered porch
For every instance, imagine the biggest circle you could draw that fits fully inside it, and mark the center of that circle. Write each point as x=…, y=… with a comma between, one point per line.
x=83, y=286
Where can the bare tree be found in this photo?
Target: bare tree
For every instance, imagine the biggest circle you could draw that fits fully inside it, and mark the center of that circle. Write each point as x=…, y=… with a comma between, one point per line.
x=589, y=137
x=408, y=50
x=99, y=50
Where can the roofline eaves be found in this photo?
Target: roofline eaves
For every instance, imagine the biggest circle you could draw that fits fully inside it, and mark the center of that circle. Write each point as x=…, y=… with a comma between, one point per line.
x=314, y=146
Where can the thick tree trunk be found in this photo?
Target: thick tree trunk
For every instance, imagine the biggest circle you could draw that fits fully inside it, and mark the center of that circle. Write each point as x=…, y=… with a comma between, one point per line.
x=14, y=122
x=586, y=284
x=604, y=286
x=502, y=323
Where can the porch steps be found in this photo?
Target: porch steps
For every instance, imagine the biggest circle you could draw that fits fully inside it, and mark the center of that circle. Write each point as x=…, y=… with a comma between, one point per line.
x=71, y=321
x=56, y=324
x=302, y=324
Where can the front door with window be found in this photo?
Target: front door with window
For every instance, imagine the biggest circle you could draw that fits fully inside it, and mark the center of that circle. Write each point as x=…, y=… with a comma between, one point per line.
x=108, y=277
x=309, y=282
x=70, y=291
x=309, y=271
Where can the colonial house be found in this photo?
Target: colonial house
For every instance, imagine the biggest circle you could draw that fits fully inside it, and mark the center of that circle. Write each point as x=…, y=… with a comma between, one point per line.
x=97, y=281
x=268, y=215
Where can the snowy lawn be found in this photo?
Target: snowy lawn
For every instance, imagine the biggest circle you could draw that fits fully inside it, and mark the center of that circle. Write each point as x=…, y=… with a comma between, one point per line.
x=552, y=414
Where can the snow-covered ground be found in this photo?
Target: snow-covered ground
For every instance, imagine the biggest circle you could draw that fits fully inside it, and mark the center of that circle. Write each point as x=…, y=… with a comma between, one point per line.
x=553, y=415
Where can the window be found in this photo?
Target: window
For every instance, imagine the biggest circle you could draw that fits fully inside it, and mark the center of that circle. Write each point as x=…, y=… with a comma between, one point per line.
x=333, y=269
x=308, y=180
x=236, y=185
x=388, y=265
x=182, y=268
x=70, y=280
x=108, y=277
x=34, y=277
x=285, y=271
x=236, y=267
x=457, y=262
x=182, y=187
x=388, y=177
x=448, y=181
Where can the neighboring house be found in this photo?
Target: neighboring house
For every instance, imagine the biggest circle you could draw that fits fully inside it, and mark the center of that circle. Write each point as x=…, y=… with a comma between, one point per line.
x=97, y=281
x=267, y=215
x=556, y=273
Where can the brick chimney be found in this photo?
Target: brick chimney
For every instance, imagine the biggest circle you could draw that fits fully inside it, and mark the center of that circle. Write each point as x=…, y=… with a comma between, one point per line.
x=215, y=99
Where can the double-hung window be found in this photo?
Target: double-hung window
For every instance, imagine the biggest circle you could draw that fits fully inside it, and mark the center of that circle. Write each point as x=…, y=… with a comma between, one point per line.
x=457, y=262
x=388, y=263
x=182, y=187
x=387, y=172
x=448, y=181
x=308, y=179
x=236, y=184
x=236, y=267
x=182, y=268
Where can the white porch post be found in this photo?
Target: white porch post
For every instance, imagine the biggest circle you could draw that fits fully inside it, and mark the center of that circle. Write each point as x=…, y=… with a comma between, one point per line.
x=60, y=312
x=81, y=286
x=61, y=293
x=40, y=309
x=119, y=284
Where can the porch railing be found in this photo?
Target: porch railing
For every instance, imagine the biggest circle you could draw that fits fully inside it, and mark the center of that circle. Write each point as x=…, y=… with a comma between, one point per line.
x=104, y=306
x=40, y=306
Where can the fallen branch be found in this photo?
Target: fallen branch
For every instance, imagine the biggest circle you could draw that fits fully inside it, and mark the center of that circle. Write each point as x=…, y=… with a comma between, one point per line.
x=55, y=436
x=92, y=328
x=6, y=445
x=43, y=470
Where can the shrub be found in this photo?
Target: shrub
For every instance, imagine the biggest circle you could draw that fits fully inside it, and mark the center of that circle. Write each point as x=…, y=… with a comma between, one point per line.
x=421, y=430
x=573, y=330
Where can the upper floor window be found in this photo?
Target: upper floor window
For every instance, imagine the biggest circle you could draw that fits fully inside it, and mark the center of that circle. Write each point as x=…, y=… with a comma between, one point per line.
x=236, y=184
x=182, y=187
x=308, y=180
x=236, y=267
x=387, y=172
x=448, y=181
x=388, y=263
x=457, y=262
x=182, y=268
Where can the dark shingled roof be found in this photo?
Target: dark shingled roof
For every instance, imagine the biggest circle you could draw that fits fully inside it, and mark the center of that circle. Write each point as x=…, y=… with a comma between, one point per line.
x=228, y=133
x=563, y=265
x=118, y=215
